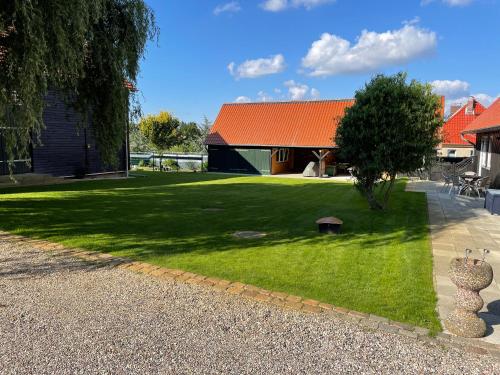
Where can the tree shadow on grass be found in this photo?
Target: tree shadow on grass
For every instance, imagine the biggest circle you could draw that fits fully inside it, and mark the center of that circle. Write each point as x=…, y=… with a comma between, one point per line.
x=379, y=259
x=160, y=217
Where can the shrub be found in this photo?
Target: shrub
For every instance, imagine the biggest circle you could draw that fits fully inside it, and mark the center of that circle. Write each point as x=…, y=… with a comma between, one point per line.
x=171, y=164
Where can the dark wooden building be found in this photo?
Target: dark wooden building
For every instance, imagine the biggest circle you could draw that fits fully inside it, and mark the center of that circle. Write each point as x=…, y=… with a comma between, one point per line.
x=67, y=148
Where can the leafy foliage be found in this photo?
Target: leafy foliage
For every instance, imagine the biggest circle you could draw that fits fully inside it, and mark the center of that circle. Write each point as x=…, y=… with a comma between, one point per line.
x=138, y=142
x=171, y=164
x=192, y=136
x=84, y=49
x=392, y=128
x=161, y=130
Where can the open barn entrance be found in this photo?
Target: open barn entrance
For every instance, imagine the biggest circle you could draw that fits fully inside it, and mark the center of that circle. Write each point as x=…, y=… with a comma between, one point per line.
x=296, y=160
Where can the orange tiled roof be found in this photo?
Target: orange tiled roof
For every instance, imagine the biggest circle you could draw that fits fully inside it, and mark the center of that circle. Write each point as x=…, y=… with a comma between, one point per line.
x=489, y=120
x=458, y=122
x=290, y=124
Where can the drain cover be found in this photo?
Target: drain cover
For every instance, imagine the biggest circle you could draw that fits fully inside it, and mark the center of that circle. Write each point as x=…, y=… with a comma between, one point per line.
x=249, y=234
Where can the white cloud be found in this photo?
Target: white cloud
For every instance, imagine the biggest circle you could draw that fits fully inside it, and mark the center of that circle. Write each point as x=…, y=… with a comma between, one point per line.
x=457, y=92
x=315, y=94
x=332, y=54
x=242, y=99
x=274, y=5
x=451, y=89
x=459, y=3
x=295, y=91
x=231, y=7
x=451, y=3
x=258, y=67
x=279, y=5
x=262, y=96
x=299, y=91
x=482, y=98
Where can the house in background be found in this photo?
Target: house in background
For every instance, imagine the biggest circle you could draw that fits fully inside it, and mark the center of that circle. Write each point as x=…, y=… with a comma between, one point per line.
x=455, y=145
x=274, y=137
x=486, y=131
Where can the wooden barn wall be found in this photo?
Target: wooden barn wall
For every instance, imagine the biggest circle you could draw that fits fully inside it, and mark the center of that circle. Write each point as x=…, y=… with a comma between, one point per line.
x=64, y=144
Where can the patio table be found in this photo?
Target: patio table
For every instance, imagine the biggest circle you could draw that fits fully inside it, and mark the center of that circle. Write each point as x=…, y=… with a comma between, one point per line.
x=469, y=180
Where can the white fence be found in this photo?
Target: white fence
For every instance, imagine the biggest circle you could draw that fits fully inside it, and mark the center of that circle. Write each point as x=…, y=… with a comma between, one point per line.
x=184, y=159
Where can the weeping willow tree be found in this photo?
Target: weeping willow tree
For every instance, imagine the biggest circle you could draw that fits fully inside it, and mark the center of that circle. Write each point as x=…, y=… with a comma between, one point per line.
x=86, y=50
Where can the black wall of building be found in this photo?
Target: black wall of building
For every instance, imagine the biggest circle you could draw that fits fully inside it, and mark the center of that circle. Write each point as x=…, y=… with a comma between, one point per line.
x=494, y=171
x=66, y=148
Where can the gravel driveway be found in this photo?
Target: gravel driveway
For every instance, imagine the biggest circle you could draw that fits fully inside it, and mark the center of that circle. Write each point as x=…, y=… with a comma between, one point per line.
x=58, y=315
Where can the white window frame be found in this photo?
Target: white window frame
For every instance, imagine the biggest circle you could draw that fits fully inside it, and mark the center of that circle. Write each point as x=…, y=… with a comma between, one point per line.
x=282, y=155
x=485, y=153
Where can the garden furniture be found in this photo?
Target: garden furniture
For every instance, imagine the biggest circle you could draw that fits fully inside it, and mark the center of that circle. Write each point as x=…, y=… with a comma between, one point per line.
x=481, y=185
x=448, y=181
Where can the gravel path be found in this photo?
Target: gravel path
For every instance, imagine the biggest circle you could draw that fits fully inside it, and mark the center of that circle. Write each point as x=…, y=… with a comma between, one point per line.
x=60, y=316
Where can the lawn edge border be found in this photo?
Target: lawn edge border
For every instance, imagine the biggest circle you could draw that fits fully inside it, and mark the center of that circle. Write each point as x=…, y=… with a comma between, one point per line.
x=281, y=299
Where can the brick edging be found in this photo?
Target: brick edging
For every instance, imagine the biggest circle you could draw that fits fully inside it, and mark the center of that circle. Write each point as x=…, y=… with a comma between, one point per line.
x=367, y=321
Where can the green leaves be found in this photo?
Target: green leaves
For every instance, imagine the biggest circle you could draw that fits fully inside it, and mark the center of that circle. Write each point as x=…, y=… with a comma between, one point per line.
x=390, y=129
x=85, y=50
x=162, y=130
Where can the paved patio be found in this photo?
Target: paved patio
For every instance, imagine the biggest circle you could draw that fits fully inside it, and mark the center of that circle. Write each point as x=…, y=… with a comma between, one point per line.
x=457, y=223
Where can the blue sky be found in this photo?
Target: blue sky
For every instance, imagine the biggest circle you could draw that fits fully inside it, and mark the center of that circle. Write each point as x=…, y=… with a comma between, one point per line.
x=214, y=52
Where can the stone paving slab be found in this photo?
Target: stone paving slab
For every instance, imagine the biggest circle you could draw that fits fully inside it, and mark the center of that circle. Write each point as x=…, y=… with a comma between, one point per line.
x=457, y=223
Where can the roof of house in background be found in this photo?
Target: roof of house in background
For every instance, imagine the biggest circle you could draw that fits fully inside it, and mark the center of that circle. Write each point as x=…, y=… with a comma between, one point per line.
x=287, y=124
x=458, y=121
x=488, y=121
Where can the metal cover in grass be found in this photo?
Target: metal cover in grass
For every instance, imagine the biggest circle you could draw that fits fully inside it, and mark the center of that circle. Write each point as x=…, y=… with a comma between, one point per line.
x=249, y=234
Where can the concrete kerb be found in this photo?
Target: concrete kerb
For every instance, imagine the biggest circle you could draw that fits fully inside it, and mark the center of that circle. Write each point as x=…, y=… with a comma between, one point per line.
x=284, y=300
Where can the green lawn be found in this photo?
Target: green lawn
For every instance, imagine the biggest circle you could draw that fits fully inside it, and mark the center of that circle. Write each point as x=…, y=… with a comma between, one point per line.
x=380, y=264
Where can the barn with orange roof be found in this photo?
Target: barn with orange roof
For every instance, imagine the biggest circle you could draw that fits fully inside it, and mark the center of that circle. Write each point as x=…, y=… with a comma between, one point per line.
x=275, y=137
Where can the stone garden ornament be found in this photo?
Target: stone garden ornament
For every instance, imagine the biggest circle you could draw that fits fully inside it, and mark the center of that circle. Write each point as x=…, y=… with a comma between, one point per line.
x=470, y=276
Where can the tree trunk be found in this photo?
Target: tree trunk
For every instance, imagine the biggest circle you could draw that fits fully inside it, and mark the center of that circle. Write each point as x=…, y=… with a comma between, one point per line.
x=372, y=201
x=388, y=192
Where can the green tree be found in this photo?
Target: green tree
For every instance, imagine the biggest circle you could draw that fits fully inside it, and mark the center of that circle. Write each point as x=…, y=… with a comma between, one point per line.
x=392, y=128
x=162, y=131
x=138, y=142
x=84, y=49
x=192, y=136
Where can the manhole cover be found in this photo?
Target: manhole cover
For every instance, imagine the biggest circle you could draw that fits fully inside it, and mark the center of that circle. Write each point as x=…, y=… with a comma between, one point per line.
x=249, y=234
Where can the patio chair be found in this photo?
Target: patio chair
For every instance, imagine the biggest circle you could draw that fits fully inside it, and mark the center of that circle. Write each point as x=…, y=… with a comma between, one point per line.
x=480, y=186
x=458, y=185
x=448, y=182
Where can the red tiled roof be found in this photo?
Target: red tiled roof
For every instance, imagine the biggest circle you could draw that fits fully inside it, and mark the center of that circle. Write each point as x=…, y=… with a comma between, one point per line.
x=489, y=120
x=458, y=122
x=291, y=124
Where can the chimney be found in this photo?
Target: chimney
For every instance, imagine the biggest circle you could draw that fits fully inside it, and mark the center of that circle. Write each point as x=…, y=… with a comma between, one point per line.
x=471, y=104
x=454, y=108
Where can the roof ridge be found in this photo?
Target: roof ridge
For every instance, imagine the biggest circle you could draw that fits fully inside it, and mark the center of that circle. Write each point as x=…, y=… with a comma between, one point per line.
x=294, y=101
